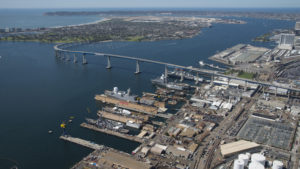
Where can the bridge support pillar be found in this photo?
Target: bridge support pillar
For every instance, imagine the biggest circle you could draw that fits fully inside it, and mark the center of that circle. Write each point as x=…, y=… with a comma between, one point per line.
x=246, y=86
x=212, y=79
x=181, y=76
x=137, y=67
x=197, y=78
x=228, y=82
x=166, y=74
x=74, y=58
x=108, y=63
x=276, y=92
x=84, y=61
x=68, y=58
x=56, y=53
x=62, y=57
x=288, y=92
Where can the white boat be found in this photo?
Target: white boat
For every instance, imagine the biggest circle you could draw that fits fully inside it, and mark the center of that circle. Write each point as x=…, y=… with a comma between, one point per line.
x=201, y=63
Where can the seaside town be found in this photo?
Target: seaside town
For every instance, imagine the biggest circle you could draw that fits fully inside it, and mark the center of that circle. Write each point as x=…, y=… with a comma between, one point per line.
x=125, y=28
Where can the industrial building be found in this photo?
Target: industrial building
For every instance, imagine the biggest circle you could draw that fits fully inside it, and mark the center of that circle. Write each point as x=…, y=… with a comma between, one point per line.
x=237, y=147
x=178, y=152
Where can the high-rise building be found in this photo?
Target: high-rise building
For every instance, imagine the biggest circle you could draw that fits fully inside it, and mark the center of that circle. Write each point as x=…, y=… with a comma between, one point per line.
x=286, y=41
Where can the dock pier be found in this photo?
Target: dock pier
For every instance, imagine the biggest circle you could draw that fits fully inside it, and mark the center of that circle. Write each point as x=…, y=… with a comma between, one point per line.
x=111, y=132
x=82, y=142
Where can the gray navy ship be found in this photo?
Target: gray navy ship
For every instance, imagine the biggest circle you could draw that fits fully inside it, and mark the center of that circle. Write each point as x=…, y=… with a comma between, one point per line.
x=122, y=95
x=162, y=81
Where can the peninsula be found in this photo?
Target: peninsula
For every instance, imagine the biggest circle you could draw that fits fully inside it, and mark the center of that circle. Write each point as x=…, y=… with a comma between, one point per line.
x=134, y=28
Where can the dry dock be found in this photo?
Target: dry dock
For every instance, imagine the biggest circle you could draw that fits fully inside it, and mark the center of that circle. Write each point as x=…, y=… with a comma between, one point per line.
x=121, y=135
x=82, y=142
x=127, y=105
x=117, y=117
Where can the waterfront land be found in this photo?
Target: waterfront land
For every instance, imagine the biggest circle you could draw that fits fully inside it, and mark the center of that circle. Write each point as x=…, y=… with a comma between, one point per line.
x=211, y=13
x=138, y=28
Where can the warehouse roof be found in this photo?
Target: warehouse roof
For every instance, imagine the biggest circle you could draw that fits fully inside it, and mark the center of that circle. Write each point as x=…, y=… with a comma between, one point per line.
x=236, y=147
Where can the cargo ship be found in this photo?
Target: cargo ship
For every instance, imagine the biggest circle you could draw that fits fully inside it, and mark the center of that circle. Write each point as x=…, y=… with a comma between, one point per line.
x=161, y=81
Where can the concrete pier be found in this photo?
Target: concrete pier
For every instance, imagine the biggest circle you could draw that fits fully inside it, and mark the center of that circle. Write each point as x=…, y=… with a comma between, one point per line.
x=82, y=142
x=111, y=132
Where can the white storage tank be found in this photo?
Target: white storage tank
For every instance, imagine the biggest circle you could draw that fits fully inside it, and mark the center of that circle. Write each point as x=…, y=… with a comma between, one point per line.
x=248, y=154
x=245, y=158
x=255, y=165
x=277, y=164
x=259, y=158
x=116, y=90
x=238, y=164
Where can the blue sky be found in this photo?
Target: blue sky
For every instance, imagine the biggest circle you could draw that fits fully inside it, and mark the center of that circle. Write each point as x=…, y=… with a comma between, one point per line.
x=149, y=3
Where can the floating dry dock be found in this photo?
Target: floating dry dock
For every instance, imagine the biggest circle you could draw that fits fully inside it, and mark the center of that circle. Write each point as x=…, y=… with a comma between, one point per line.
x=111, y=132
x=82, y=142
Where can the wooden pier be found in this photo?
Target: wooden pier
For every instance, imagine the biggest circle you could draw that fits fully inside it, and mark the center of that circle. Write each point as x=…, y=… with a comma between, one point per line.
x=82, y=142
x=111, y=132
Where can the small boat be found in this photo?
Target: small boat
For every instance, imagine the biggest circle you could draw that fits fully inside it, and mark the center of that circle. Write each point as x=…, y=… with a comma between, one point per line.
x=201, y=63
x=50, y=131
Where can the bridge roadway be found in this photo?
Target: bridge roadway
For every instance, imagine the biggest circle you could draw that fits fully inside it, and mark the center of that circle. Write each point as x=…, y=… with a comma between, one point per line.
x=203, y=71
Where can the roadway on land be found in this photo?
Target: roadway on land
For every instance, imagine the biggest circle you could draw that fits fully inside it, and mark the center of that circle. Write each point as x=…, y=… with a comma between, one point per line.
x=203, y=71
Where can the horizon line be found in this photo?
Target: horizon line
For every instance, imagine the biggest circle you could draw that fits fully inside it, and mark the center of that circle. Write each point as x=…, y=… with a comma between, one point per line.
x=154, y=8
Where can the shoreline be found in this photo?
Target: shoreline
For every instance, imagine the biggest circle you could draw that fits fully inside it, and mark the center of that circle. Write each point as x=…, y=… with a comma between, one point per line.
x=81, y=24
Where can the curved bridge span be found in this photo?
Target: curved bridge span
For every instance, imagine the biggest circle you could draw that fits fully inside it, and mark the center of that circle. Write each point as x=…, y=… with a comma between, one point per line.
x=61, y=52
